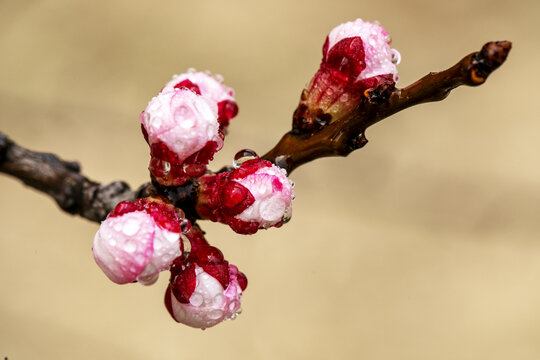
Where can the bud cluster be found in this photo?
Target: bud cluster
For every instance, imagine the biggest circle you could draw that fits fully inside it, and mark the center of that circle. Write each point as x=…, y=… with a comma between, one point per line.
x=185, y=125
x=140, y=239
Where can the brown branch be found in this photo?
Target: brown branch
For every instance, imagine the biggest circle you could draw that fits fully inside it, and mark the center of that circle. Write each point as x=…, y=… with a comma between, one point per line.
x=340, y=138
x=76, y=194
x=63, y=181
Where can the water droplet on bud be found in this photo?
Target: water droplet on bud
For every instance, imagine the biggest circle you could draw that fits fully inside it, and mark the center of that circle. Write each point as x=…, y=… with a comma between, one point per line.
x=185, y=225
x=215, y=314
x=159, y=168
x=146, y=117
x=344, y=97
x=194, y=170
x=281, y=161
x=196, y=300
x=186, y=246
x=180, y=213
x=287, y=216
x=242, y=156
x=396, y=56
x=219, y=78
x=148, y=280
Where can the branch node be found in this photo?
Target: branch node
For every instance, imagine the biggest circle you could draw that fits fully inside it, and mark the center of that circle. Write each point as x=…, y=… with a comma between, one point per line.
x=358, y=142
x=381, y=94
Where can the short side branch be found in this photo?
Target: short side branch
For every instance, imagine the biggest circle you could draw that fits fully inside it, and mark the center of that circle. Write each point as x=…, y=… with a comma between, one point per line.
x=342, y=137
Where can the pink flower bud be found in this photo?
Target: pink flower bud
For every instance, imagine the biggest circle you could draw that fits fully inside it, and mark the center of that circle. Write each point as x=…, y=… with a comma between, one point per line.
x=137, y=241
x=204, y=289
x=356, y=56
x=209, y=86
x=368, y=47
x=182, y=130
x=255, y=196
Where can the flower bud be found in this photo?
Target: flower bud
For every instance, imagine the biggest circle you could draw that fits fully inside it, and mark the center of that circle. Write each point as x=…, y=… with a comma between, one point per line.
x=360, y=50
x=256, y=195
x=182, y=130
x=356, y=56
x=204, y=289
x=138, y=240
x=204, y=84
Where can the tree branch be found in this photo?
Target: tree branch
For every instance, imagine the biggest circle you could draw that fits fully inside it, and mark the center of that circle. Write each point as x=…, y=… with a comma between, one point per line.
x=340, y=138
x=76, y=194
x=63, y=181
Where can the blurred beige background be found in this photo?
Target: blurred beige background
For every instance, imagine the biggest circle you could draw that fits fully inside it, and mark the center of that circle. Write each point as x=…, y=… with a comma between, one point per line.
x=423, y=245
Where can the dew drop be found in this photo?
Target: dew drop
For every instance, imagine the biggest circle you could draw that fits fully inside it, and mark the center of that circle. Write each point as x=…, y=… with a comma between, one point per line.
x=196, y=299
x=219, y=300
x=131, y=227
x=159, y=168
x=287, y=216
x=215, y=314
x=194, y=170
x=130, y=247
x=281, y=162
x=146, y=117
x=235, y=314
x=155, y=122
x=180, y=213
x=148, y=280
x=396, y=56
x=242, y=156
x=233, y=305
x=219, y=78
x=185, y=225
x=186, y=246
x=344, y=97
